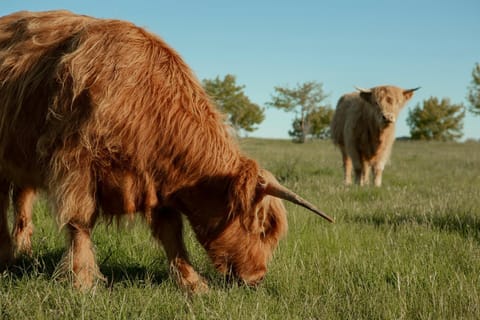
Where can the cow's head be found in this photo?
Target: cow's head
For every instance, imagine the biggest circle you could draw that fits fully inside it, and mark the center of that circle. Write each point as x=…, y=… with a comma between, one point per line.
x=387, y=101
x=241, y=229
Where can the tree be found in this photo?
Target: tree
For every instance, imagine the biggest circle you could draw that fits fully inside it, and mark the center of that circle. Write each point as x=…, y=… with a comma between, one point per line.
x=436, y=120
x=229, y=98
x=474, y=91
x=318, y=124
x=320, y=120
x=306, y=99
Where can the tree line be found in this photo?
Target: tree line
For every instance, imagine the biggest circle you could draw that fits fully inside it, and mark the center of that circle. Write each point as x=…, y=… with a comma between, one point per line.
x=432, y=119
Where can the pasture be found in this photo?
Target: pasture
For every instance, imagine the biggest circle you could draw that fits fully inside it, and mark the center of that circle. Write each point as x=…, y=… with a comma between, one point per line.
x=407, y=250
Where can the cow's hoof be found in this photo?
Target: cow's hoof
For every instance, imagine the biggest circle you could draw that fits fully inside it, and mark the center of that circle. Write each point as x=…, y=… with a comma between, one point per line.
x=194, y=285
x=83, y=276
x=85, y=281
x=199, y=287
x=23, y=244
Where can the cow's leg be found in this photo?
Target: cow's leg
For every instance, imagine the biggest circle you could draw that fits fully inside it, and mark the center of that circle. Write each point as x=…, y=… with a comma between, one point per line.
x=6, y=245
x=362, y=173
x=73, y=195
x=365, y=175
x=352, y=153
x=360, y=168
x=377, y=173
x=80, y=257
x=167, y=227
x=22, y=199
x=347, y=168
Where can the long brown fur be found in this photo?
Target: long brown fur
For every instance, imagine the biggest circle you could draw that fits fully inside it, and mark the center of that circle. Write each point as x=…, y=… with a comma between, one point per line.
x=108, y=119
x=363, y=127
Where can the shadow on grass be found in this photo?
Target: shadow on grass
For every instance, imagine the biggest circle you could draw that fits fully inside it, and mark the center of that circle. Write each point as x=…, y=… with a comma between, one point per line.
x=466, y=225
x=133, y=274
x=45, y=265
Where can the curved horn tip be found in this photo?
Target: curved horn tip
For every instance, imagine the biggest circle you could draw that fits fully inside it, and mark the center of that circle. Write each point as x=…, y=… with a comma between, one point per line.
x=331, y=220
x=303, y=203
x=277, y=190
x=362, y=89
x=315, y=210
x=414, y=89
x=273, y=188
x=326, y=216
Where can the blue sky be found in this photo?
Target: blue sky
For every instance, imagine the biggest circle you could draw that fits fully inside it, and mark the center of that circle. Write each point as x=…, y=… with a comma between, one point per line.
x=342, y=44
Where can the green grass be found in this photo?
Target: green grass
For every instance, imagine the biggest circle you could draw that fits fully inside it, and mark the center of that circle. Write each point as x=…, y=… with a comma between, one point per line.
x=407, y=250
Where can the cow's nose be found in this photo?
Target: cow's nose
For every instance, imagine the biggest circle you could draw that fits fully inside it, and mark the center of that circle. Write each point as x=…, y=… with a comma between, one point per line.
x=255, y=279
x=254, y=282
x=388, y=118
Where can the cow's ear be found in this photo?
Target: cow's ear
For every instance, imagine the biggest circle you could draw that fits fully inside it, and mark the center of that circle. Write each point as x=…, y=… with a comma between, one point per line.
x=367, y=96
x=243, y=189
x=407, y=94
x=252, y=217
x=245, y=194
x=261, y=188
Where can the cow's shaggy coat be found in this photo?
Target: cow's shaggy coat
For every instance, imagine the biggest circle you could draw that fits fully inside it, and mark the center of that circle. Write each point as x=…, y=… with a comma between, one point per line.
x=363, y=127
x=109, y=120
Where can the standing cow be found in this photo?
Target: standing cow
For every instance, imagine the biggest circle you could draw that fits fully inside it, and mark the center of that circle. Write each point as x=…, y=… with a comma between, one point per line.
x=109, y=120
x=363, y=127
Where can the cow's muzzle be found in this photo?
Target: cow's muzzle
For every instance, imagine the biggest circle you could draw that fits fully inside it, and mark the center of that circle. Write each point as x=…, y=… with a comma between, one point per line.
x=388, y=118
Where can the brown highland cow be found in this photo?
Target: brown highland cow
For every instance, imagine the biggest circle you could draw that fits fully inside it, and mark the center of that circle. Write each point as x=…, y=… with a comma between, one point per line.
x=109, y=120
x=363, y=127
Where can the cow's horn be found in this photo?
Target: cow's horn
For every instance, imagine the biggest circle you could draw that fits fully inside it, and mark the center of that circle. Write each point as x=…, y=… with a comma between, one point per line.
x=363, y=89
x=411, y=90
x=277, y=190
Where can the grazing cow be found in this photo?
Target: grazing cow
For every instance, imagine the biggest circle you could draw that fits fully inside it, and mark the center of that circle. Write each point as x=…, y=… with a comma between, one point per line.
x=363, y=127
x=109, y=120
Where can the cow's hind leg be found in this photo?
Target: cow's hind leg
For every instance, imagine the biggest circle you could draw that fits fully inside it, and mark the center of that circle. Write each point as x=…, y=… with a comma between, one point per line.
x=347, y=168
x=167, y=227
x=23, y=199
x=6, y=245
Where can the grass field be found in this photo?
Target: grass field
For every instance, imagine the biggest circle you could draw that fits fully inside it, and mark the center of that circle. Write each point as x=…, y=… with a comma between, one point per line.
x=408, y=250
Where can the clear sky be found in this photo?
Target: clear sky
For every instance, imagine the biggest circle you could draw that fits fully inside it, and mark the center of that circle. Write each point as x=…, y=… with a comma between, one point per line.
x=429, y=43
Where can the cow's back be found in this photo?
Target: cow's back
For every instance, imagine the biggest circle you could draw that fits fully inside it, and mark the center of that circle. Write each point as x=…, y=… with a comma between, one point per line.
x=106, y=92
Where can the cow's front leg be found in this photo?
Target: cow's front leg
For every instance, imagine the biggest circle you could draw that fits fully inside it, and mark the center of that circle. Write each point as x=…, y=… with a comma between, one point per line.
x=365, y=175
x=360, y=166
x=73, y=195
x=167, y=227
x=362, y=173
x=79, y=260
x=23, y=199
x=377, y=173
